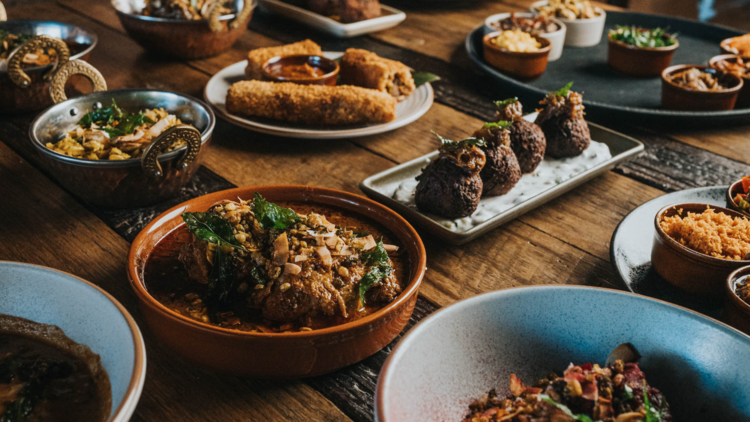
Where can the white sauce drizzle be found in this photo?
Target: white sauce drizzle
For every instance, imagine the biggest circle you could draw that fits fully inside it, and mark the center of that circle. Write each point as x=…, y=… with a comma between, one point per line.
x=551, y=172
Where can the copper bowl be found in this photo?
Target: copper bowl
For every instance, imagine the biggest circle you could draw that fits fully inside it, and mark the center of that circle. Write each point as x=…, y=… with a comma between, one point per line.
x=736, y=311
x=684, y=268
x=184, y=39
x=743, y=99
x=524, y=66
x=732, y=191
x=330, y=67
x=278, y=355
x=639, y=61
x=125, y=183
x=676, y=97
x=35, y=97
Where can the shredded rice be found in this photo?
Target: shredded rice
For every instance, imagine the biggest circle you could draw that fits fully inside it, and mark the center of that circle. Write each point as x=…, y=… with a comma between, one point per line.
x=710, y=233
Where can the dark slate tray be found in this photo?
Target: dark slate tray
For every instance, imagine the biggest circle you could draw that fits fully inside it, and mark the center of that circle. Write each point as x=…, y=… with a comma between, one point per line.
x=607, y=91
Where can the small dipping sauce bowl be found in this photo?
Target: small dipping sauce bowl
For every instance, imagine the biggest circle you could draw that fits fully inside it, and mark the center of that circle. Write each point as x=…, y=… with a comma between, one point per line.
x=521, y=65
x=678, y=97
x=689, y=270
x=736, y=311
x=743, y=99
x=639, y=61
x=732, y=192
x=301, y=69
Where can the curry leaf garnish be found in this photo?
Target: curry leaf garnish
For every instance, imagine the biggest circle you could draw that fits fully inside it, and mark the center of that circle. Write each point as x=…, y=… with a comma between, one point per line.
x=221, y=280
x=113, y=120
x=566, y=410
x=421, y=78
x=468, y=142
x=259, y=275
x=113, y=132
x=102, y=116
x=652, y=414
x=506, y=102
x=360, y=234
x=373, y=277
x=502, y=124
x=211, y=228
x=272, y=216
x=375, y=255
x=129, y=123
x=564, y=91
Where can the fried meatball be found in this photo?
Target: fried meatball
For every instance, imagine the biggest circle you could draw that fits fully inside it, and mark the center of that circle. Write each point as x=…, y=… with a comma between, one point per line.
x=526, y=138
x=451, y=186
x=563, y=125
x=502, y=171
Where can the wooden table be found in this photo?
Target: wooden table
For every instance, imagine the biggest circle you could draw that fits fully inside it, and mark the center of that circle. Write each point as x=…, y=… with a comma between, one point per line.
x=43, y=224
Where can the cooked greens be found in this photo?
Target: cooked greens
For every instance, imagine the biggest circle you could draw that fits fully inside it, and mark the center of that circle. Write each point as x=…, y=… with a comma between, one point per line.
x=221, y=280
x=272, y=216
x=564, y=91
x=377, y=254
x=641, y=37
x=372, y=278
x=114, y=120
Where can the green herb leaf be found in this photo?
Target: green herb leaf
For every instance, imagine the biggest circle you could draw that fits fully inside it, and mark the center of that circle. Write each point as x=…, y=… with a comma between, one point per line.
x=103, y=116
x=259, y=275
x=272, y=216
x=566, y=410
x=221, y=280
x=502, y=124
x=652, y=414
x=564, y=91
x=113, y=132
x=128, y=124
x=421, y=78
x=640, y=37
x=372, y=278
x=504, y=103
x=211, y=228
x=376, y=255
x=468, y=142
x=360, y=234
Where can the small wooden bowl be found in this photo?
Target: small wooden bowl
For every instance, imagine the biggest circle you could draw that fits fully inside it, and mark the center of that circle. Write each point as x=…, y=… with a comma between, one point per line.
x=732, y=191
x=676, y=97
x=736, y=311
x=327, y=65
x=639, y=61
x=743, y=99
x=728, y=50
x=524, y=66
x=278, y=355
x=684, y=268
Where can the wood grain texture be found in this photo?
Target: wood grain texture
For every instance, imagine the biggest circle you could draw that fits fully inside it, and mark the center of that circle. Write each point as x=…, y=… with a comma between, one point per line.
x=43, y=225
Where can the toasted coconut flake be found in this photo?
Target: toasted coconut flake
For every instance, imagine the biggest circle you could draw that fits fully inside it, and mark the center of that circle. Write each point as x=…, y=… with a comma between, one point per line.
x=325, y=256
x=281, y=249
x=292, y=269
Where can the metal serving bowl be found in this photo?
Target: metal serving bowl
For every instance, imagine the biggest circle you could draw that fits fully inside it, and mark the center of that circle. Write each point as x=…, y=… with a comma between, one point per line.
x=16, y=99
x=127, y=183
x=184, y=39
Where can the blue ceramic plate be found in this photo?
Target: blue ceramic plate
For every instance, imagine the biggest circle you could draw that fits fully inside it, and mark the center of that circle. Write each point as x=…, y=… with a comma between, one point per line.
x=87, y=315
x=464, y=350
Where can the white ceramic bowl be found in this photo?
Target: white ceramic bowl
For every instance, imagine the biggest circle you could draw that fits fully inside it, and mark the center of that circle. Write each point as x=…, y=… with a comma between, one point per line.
x=580, y=32
x=462, y=351
x=88, y=315
x=556, y=39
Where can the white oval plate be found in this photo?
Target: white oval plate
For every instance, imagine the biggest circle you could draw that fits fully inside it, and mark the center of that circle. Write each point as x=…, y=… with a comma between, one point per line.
x=216, y=90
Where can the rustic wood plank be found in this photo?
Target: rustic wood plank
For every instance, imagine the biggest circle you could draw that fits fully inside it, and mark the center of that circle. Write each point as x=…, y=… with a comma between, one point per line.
x=45, y=226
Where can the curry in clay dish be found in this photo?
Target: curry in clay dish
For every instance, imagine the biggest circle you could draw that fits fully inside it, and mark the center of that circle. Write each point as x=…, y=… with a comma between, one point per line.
x=256, y=266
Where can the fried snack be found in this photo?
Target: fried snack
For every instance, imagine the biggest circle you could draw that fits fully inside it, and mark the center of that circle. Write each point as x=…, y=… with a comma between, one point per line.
x=310, y=104
x=258, y=57
x=368, y=70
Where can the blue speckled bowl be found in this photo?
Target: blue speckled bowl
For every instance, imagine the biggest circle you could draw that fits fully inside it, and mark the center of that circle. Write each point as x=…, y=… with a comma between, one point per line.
x=88, y=315
x=464, y=350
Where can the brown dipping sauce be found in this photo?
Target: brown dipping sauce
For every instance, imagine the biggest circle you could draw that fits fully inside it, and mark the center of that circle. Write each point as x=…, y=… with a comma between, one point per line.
x=168, y=282
x=46, y=377
x=297, y=71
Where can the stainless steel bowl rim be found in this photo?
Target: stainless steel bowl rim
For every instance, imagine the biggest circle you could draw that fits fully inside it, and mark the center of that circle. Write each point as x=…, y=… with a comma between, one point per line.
x=91, y=36
x=227, y=17
x=133, y=162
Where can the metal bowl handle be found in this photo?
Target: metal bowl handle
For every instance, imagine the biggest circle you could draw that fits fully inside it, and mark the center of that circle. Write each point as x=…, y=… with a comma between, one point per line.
x=215, y=14
x=3, y=13
x=18, y=76
x=75, y=67
x=191, y=135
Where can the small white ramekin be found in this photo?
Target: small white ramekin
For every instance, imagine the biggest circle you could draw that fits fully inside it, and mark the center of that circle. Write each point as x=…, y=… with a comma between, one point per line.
x=581, y=32
x=556, y=39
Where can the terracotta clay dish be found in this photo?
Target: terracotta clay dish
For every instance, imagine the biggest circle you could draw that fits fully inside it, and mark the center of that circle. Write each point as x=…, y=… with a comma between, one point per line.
x=303, y=280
